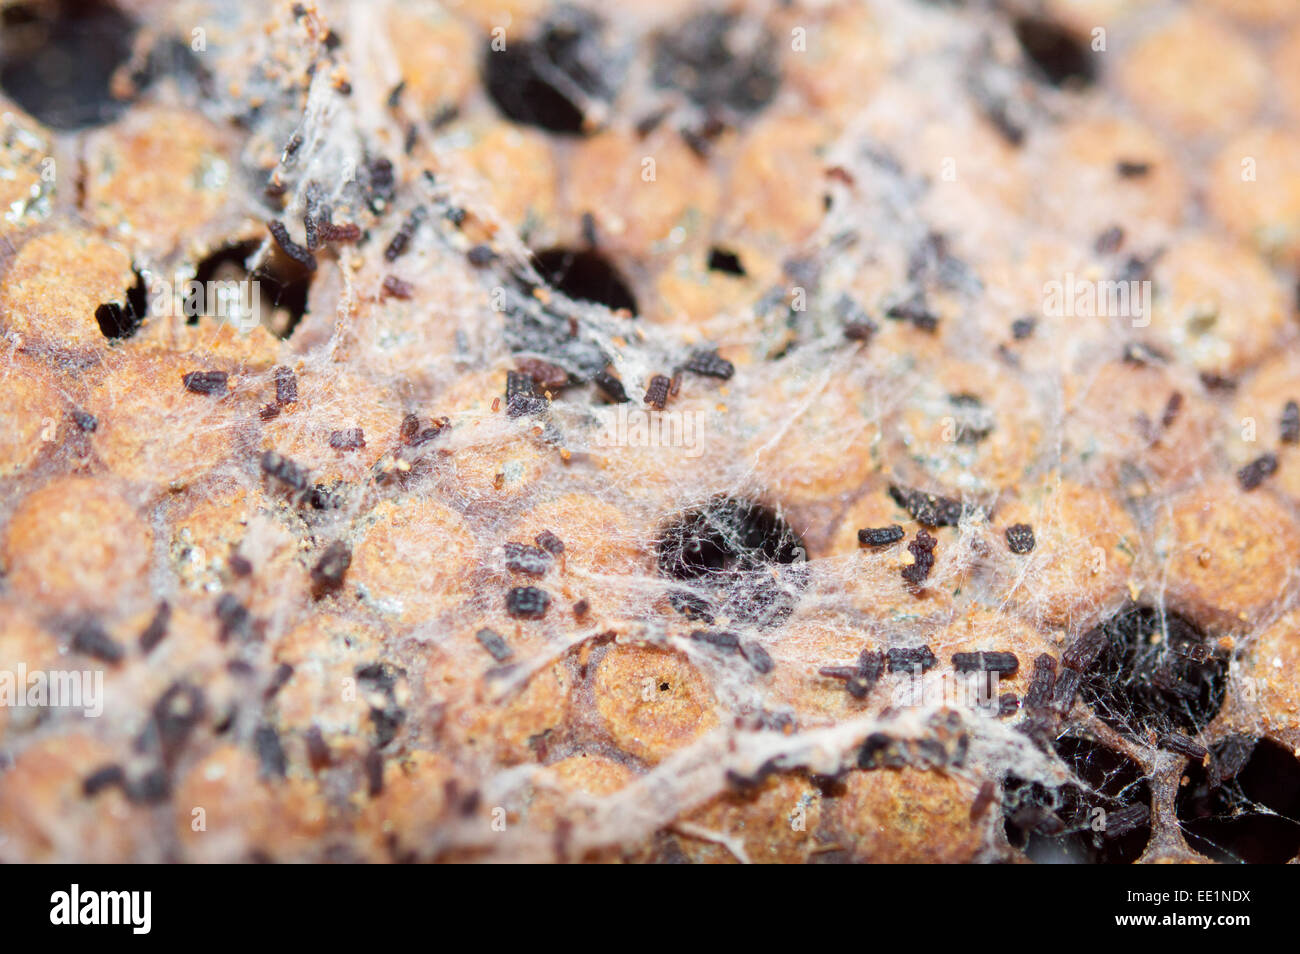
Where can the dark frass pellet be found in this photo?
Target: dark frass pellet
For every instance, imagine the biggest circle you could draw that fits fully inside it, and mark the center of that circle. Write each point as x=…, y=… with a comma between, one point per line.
x=401, y=240
x=1109, y=241
x=270, y=753
x=929, y=510
x=656, y=395
x=1291, y=423
x=718, y=639
x=211, y=383
x=521, y=558
x=346, y=232
x=279, y=679
x=610, y=386
x=857, y=324
x=175, y=714
x=90, y=639
x=1124, y=820
x=318, y=753
x=481, y=256
x=1022, y=328
x=922, y=550
x=1177, y=742
x=286, y=386
x=1172, y=407
x=547, y=376
x=527, y=602
x=549, y=542
x=1084, y=651
x=858, y=680
x=1066, y=688
x=395, y=287
x=911, y=658
x=101, y=779
x=709, y=364
x=1005, y=663
x=352, y=438
x=880, y=536
x=284, y=470
x=149, y=789
x=757, y=656
x=1020, y=538
x=1039, y=695
x=1130, y=169
x=915, y=311
x=234, y=617
x=521, y=395
x=1135, y=352
x=1254, y=473
x=157, y=628
x=328, y=573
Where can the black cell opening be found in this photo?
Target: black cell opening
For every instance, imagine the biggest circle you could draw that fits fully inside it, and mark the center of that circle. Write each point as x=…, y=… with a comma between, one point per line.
x=720, y=260
x=57, y=60
x=1156, y=672
x=551, y=80
x=225, y=288
x=1246, y=806
x=585, y=275
x=122, y=320
x=722, y=62
x=1062, y=58
x=1108, y=822
x=728, y=547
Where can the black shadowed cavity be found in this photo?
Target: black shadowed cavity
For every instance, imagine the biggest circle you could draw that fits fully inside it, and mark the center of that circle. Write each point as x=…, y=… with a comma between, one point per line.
x=722, y=62
x=280, y=293
x=721, y=260
x=1246, y=805
x=728, y=547
x=57, y=60
x=1155, y=671
x=123, y=319
x=585, y=275
x=1106, y=822
x=554, y=79
x=1061, y=57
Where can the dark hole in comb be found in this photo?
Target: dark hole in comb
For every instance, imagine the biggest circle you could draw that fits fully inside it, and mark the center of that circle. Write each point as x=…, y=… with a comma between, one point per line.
x=57, y=60
x=721, y=62
x=1062, y=58
x=729, y=547
x=585, y=276
x=550, y=80
x=1106, y=822
x=279, y=295
x=720, y=260
x=1155, y=671
x=123, y=319
x=1246, y=806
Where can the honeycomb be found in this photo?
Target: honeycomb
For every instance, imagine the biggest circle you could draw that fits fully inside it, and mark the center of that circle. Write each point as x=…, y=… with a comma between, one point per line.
x=795, y=432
